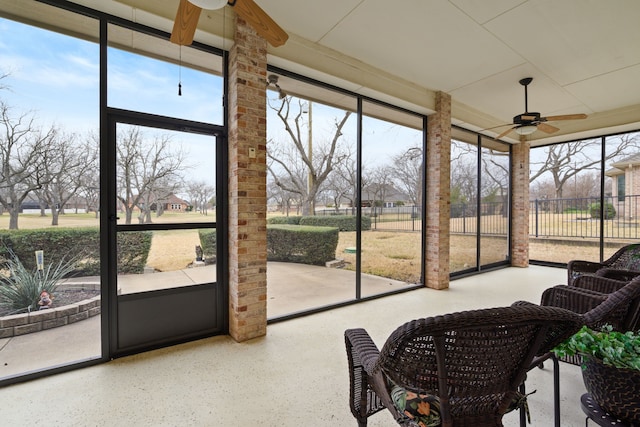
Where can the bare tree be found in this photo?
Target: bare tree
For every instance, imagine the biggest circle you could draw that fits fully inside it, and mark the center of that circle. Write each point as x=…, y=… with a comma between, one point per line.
x=200, y=194
x=379, y=184
x=24, y=150
x=306, y=171
x=407, y=171
x=143, y=167
x=564, y=161
x=68, y=163
x=284, y=199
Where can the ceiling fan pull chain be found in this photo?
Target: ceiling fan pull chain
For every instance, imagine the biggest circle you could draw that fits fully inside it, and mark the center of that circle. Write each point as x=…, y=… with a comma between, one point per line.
x=180, y=71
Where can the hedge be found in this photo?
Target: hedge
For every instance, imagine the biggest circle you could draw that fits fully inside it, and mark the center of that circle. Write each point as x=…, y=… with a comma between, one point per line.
x=301, y=244
x=341, y=222
x=82, y=243
x=285, y=220
x=208, y=242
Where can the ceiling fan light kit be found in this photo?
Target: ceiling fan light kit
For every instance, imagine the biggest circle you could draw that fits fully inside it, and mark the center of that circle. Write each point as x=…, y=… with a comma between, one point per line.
x=209, y=4
x=526, y=129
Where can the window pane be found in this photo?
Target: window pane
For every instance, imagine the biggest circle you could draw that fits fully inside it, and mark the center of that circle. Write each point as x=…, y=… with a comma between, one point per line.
x=311, y=167
x=494, y=205
x=564, y=193
x=464, y=206
x=49, y=190
x=392, y=171
x=621, y=206
x=155, y=76
x=164, y=176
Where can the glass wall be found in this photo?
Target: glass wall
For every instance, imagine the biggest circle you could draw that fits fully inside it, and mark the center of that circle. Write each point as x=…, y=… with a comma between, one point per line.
x=494, y=203
x=49, y=213
x=621, y=206
x=311, y=175
x=582, y=197
x=392, y=188
x=464, y=203
x=480, y=188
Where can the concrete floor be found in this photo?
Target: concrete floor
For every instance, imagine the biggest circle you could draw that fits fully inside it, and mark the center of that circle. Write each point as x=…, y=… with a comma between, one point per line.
x=296, y=375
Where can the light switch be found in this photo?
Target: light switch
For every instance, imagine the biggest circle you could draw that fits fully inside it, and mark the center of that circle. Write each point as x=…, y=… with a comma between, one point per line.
x=252, y=153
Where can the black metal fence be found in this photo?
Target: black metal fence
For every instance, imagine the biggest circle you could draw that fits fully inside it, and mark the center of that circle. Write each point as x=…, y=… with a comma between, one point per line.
x=399, y=218
x=581, y=217
x=567, y=217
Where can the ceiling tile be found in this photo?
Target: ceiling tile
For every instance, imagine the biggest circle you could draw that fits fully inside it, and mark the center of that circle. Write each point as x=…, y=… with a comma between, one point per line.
x=565, y=39
x=609, y=91
x=418, y=43
x=483, y=11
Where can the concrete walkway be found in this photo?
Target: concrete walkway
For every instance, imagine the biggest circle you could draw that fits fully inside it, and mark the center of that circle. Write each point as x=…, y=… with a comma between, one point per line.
x=291, y=288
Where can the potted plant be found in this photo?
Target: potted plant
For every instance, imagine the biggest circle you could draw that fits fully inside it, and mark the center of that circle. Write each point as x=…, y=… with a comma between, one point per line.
x=610, y=368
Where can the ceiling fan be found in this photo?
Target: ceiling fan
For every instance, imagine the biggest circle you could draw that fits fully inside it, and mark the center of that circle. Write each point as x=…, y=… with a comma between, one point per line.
x=528, y=122
x=184, y=26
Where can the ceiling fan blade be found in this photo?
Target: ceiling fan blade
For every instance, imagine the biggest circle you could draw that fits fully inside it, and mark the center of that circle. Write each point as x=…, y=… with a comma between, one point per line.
x=547, y=128
x=184, y=26
x=527, y=117
x=565, y=117
x=504, y=133
x=260, y=21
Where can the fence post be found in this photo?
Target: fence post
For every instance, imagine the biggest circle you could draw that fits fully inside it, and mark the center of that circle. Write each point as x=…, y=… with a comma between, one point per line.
x=536, y=210
x=464, y=219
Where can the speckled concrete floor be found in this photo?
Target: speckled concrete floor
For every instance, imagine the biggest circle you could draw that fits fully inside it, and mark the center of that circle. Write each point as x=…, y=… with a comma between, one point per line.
x=296, y=375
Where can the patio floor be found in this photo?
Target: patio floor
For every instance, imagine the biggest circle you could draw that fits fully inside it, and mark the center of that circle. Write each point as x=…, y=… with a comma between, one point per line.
x=296, y=375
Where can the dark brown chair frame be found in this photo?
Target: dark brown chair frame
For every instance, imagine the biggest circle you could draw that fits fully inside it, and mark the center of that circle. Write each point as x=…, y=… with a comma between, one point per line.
x=618, y=261
x=473, y=361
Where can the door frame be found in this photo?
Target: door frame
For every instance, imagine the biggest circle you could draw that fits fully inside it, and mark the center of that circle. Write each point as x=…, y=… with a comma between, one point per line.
x=109, y=229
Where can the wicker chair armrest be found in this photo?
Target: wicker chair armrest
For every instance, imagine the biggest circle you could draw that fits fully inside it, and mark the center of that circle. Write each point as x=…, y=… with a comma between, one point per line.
x=583, y=267
x=600, y=284
x=362, y=348
x=522, y=303
x=617, y=274
x=571, y=298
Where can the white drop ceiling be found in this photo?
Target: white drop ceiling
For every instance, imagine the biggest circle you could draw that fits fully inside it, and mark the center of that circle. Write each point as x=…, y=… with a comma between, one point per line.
x=583, y=55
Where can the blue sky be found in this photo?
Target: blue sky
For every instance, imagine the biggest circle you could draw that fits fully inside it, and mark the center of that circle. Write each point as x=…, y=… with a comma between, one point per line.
x=55, y=78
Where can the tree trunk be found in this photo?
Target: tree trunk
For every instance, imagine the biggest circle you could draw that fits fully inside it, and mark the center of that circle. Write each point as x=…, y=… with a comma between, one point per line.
x=13, y=217
x=54, y=216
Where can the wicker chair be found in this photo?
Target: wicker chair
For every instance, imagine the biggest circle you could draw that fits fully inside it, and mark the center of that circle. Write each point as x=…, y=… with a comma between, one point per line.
x=626, y=258
x=618, y=307
x=469, y=364
x=608, y=281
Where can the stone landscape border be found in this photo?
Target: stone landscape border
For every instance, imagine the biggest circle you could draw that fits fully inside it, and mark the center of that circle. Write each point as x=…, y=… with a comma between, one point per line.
x=26, y=323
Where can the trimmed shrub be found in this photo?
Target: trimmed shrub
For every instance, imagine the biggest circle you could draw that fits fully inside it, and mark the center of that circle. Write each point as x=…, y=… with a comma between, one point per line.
x=284, y=220
x=81, y=244
x=341, y=222
x=301, y=244
x=208, y=242
x=609, y=211
x=133, y=251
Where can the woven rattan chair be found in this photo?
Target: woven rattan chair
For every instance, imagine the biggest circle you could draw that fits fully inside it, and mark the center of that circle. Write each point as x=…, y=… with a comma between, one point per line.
x=626, y=258
x=618, y=308
x=468, y=364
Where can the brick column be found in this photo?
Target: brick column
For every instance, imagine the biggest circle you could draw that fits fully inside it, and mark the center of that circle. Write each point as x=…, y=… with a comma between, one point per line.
x=438, y=193
x=247, y=185
x=520, y=204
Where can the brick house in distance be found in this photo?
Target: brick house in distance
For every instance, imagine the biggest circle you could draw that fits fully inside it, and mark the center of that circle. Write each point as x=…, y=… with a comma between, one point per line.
x=625, y=176
x=174, y=203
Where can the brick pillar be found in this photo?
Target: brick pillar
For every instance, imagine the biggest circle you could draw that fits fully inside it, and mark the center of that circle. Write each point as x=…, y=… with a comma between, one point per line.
x=438, y=193
x=247, y=185
x=520, y=204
